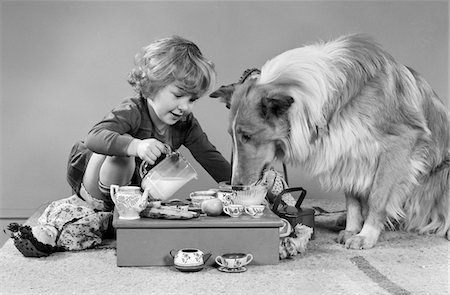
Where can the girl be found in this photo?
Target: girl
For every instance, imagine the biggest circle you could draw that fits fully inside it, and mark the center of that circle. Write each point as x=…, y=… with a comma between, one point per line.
x=169, y=76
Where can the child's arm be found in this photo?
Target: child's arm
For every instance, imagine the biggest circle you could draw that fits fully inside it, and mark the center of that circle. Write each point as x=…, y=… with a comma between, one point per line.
x=148, y=150
x=111, y=136
x=206, y=153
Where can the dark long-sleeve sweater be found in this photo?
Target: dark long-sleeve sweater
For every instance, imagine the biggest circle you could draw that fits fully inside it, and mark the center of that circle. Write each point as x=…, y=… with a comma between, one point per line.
x=111, y=136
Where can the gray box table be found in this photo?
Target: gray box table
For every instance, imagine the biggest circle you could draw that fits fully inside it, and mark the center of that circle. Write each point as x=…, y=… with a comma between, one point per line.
x=147, y=241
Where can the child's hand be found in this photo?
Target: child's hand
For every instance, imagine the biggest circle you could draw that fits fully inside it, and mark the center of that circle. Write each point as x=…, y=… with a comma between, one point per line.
x=149, y=150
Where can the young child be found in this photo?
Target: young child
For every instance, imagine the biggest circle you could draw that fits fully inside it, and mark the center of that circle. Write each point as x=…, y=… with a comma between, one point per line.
x=169, y=76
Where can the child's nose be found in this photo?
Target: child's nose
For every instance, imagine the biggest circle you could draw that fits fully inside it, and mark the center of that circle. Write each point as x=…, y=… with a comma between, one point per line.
x=184, y=106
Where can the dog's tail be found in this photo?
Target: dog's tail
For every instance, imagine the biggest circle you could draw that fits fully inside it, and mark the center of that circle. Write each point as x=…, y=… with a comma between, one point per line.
x=428, y=208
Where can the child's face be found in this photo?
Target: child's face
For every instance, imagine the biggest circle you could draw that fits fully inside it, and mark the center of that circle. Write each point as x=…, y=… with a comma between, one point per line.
x=171, y=105
x=45, y=234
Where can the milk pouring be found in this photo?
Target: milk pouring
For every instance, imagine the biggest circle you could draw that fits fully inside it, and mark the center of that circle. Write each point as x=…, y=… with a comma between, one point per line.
x=166, y=178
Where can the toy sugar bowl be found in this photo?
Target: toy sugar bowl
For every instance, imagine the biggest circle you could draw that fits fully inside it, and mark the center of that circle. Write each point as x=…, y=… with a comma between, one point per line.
x=189, y=259
x=233, y=262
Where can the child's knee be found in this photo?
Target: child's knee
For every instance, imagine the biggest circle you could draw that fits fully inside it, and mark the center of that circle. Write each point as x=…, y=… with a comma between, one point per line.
x=116, y=170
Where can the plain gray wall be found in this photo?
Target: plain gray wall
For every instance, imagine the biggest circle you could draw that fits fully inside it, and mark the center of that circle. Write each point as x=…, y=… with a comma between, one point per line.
x=64, y=65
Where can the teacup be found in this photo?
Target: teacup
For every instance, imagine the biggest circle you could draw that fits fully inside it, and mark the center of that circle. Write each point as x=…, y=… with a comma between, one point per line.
x=255, y=210
x=234, y=260
x=233, y=210
x=226, y=196
x=198, y=197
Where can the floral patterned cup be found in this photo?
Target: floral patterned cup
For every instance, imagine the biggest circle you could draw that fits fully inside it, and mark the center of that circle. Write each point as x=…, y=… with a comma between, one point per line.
x=255, y=210
x=234, y=260
x=226, y=196
x=233, y=210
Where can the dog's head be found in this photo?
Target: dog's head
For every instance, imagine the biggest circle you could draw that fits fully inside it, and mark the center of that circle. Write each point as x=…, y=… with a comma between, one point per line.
x=259, y=125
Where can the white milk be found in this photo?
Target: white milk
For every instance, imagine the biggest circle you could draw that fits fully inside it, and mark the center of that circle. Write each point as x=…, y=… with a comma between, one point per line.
x=164, y=188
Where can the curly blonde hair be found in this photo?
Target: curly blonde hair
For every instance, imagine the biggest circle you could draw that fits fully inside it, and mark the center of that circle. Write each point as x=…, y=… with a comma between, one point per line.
x=172, y=60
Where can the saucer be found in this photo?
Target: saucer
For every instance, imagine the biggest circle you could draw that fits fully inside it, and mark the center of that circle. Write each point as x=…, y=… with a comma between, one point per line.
x=189, y=268
x=233, y=270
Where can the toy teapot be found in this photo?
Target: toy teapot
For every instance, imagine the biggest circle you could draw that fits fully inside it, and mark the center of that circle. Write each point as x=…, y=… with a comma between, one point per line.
x=297, y=214
x=189, y=259
x=129, y=200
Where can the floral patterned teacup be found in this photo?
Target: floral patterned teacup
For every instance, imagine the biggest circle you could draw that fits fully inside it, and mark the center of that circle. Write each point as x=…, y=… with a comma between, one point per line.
x=255, y=210
x=233, y=210
x=226, y=196
x=234, y=260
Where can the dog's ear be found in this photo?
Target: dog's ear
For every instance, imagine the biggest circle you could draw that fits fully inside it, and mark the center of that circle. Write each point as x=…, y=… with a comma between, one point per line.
x=224, y=93
x=275, y=106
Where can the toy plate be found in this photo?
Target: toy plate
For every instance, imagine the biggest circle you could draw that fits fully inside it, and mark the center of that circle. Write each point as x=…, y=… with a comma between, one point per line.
x=233, y=270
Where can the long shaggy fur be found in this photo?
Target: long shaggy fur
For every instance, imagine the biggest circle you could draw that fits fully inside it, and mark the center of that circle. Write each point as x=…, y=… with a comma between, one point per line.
x=347, y=112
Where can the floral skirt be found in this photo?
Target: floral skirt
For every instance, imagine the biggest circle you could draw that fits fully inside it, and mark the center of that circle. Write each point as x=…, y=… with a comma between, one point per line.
x=79, y=225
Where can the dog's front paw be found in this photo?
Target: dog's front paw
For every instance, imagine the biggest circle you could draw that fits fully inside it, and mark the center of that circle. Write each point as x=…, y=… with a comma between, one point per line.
x=341, y=221
x=345, y=235
x=359, y=242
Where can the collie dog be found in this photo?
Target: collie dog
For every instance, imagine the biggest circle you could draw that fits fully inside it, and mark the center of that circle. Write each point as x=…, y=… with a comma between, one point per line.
x=349, y=114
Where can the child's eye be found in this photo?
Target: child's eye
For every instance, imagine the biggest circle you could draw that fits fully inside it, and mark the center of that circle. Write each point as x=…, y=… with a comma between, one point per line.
x=193, y=99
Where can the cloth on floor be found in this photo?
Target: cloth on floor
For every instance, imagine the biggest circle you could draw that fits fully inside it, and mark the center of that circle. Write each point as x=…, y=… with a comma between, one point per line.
x=296, y=242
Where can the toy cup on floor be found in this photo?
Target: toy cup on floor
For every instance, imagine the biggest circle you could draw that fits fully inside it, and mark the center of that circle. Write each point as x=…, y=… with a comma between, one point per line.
x=234, y=260
x=129, y=200
x=255, y=211
x=233, y=210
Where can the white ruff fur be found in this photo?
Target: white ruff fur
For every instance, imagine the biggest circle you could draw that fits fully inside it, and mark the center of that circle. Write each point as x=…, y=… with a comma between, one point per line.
x=317, y=77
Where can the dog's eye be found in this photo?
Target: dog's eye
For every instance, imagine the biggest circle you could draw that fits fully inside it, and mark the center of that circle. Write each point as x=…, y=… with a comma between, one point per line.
x=245, y=137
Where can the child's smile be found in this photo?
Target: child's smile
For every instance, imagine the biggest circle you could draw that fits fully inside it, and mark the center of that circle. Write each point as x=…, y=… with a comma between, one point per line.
x=171, y=105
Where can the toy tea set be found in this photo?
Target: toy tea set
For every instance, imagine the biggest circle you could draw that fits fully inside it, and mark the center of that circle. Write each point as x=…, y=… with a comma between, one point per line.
x=192, y=259
x=142, y=211
x=166, y=178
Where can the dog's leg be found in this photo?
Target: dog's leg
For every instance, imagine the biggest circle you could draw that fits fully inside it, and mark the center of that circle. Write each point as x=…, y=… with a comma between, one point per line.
x=373, y=222
x=354, y=220
x=373, y=217
x=387, y=191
